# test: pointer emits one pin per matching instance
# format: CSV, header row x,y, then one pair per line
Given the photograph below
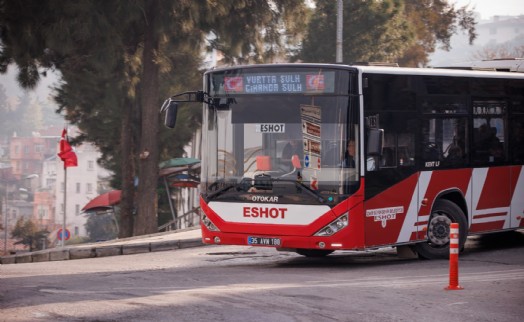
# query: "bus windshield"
x,y
281,134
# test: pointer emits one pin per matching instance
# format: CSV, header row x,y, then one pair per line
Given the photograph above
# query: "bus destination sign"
x,y
275,83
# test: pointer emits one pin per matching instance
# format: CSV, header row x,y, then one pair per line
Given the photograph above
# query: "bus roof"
x,y
440,71
500,65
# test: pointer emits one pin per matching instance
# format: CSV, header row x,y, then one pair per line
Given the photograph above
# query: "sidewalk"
x,y
186,238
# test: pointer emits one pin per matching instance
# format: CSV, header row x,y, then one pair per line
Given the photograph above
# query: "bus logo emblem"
x,y
384,214
315,82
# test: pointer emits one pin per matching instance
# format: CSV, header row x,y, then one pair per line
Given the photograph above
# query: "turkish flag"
x,y
66,152
233,84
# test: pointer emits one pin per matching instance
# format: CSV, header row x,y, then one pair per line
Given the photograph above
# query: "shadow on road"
x,y
495,241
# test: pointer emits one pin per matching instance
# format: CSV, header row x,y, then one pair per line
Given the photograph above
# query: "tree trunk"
x,y
146,219
128,172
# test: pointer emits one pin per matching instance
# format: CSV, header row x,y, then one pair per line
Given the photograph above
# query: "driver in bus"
x,y
349,155
348,162
292,147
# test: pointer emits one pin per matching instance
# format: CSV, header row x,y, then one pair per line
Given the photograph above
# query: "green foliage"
x,y
403,31
29,235
75,240
373,31
120,59
253,31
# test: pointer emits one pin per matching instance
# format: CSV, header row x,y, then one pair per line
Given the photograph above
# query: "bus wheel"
x,y
314,252
444,212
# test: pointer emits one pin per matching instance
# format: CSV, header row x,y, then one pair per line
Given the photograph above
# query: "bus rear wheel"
x,y
314,252
444,213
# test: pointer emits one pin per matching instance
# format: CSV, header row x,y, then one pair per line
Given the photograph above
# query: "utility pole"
x,y
5,222
339,30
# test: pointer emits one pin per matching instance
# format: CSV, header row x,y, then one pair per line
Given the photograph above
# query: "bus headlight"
x,y
335,226
208,223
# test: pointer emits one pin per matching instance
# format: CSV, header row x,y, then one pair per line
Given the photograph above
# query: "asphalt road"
x,y
231,283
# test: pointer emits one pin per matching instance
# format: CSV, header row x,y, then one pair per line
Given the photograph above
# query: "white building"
x,y
498,30
82,186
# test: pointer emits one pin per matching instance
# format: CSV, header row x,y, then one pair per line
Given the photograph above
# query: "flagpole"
x,y
68,156
65,207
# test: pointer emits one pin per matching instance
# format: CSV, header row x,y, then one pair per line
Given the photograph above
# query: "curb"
x,y
100,251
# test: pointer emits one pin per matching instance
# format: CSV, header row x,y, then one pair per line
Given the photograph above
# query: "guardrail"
x,y
189,219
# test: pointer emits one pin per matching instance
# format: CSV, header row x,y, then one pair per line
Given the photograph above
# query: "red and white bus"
x,y
427,147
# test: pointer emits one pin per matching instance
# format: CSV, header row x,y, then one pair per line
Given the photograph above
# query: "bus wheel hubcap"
x,y
438,229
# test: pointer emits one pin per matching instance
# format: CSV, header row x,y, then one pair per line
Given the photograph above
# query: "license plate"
x,y
263,241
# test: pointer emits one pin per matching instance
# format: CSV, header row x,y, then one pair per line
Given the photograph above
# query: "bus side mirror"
x,y
171,112
374,148
375,139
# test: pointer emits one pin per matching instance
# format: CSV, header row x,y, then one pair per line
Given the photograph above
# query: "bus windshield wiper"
x,y
301,185
221,191
243,185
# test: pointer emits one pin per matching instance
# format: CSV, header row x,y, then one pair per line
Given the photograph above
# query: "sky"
x,y
489,8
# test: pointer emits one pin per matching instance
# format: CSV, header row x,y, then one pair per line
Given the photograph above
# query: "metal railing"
x,y
188,219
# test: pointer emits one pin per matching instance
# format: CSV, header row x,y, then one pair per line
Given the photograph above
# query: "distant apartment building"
x,y
498,30
82,186
27,153
35,186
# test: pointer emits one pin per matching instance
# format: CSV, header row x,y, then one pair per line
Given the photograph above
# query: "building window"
x,y
39,148
89,188
77,210
76,231
42,214
90,165
26,149
78,187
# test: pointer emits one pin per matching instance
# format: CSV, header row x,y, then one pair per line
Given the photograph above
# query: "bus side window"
x,y
398,150
406,148
518,139
444,141
488,136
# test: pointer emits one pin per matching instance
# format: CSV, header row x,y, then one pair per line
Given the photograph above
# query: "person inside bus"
x,y
292,147
350,182
496,152
349,155
485,140
455,155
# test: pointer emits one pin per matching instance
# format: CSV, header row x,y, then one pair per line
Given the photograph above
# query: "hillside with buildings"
x,y
32,184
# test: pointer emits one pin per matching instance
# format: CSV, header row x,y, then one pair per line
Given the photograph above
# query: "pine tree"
x,y
116,59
